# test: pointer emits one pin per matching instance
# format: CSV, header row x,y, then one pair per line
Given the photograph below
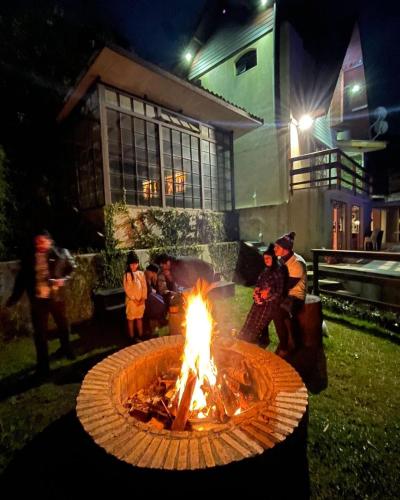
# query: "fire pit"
x,y
101,408
228,400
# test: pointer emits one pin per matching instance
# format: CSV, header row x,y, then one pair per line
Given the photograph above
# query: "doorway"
x,y
338,225
355,243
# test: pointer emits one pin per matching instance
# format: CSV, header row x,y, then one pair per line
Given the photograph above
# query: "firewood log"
x,y
182,413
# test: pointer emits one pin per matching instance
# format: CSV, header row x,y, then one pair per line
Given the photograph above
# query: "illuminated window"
x,y
177,180
150,189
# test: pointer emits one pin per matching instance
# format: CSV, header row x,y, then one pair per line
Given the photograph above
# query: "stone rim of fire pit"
x,y
267,423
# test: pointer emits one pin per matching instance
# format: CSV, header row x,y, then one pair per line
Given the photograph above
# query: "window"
x,y
195,158
87,155
246,62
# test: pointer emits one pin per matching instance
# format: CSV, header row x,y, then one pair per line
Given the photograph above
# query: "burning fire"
x,y
197,357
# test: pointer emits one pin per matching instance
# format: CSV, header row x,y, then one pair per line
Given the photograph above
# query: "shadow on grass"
x,y
92,336
364,327
63,462
26,380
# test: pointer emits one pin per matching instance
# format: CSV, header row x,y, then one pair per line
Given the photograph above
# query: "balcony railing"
x,y
330,168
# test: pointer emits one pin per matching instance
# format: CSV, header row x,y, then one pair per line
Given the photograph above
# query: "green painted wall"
x,y
258,170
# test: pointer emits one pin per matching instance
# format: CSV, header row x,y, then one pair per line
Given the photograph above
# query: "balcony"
x,y
329,169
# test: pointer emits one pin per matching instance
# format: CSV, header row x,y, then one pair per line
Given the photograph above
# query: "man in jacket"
x,y
286,320
43,275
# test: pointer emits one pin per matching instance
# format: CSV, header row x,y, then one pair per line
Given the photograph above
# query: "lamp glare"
x,y
305,122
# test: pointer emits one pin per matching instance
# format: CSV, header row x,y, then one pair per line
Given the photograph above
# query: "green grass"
x,y
354,426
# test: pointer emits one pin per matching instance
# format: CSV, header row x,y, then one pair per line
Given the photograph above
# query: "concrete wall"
x,y
259,177
309,214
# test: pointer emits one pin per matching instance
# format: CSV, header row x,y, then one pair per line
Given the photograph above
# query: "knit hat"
x,y
286,241
270,250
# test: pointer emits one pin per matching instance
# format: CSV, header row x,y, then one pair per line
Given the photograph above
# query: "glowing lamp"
x,y
305,122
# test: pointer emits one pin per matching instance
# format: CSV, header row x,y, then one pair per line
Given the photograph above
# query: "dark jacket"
x,y
61,265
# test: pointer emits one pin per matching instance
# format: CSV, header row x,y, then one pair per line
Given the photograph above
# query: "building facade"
x,y
231,136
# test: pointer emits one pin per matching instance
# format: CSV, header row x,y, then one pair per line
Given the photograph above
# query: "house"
x,y
231,135
143,136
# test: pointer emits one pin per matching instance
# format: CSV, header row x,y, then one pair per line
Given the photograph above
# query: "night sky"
x,y
160,30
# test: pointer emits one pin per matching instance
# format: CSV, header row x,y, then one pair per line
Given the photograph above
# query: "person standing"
x,y
286,318
268,295
135,295
44,274
155,311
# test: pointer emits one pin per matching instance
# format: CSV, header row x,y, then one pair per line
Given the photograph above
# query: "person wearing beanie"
x,y
286,319
135,295
268,295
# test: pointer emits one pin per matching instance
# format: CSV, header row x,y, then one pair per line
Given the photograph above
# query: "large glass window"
x,y
134,159
195,160
87,154
181,169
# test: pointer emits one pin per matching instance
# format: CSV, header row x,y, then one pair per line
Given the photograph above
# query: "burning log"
x,y
216,399
182,413
229,398
239,373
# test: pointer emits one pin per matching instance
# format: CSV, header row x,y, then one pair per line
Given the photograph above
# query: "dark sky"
x,y
158,30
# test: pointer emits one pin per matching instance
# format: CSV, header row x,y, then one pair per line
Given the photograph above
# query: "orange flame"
x,y
197,351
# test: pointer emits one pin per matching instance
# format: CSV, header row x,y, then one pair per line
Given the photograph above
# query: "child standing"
x,y
135,295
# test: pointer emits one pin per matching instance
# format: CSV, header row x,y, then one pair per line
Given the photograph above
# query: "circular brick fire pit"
x,y
282,401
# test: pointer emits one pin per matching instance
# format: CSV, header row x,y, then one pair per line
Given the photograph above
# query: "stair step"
x,y
347,292
330,284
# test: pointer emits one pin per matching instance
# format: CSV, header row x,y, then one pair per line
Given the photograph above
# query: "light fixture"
x,y
355,88
305,122
188,56
263,3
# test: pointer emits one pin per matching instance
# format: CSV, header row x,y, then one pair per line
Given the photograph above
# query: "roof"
x,y
229,39
127,72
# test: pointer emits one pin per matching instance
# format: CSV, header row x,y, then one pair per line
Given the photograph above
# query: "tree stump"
x,y
309,358
309,320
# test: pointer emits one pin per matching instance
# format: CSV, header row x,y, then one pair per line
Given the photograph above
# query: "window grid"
x,y
192,162
87,155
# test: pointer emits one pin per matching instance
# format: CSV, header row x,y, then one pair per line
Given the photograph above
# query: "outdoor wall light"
x,y
305,122
188,56
355,88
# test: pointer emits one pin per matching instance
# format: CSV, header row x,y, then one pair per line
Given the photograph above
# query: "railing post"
x,y
339,170
315,272
291,173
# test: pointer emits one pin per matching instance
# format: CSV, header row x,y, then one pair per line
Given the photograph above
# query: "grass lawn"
x,y
354,425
